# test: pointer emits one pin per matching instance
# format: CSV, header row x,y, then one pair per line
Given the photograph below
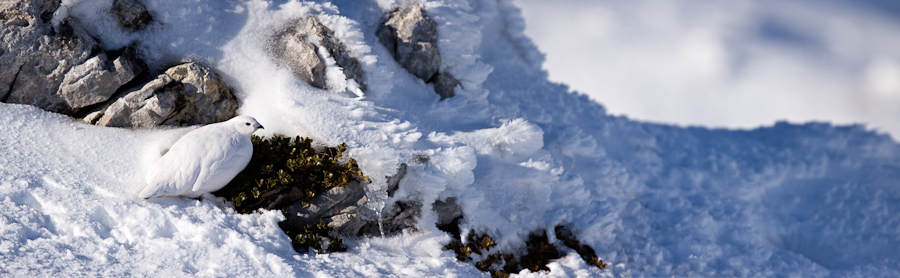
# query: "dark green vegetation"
x,y
287,170
539,252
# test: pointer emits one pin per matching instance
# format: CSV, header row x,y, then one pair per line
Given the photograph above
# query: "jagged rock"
x,y
411,37
100,77
186,94
131,14
37,56
298,44
59,69
340,207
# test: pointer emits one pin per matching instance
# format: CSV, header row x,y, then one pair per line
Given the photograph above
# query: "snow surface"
x,y
737,64
518,152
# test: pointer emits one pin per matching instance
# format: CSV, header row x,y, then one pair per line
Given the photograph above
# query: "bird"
x,y
203,160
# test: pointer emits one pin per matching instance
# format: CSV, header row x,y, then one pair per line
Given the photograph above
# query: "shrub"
x,y
539,252
286,170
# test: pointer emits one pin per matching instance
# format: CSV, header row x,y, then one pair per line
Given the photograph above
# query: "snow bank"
x,y
519,153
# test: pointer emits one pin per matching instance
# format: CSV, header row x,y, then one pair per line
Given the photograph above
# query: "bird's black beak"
x,y
261,127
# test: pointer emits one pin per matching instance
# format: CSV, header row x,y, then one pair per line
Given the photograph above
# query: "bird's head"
x,y
245,124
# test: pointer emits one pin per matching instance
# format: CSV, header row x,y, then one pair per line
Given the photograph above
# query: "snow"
x,y
736,64
518,152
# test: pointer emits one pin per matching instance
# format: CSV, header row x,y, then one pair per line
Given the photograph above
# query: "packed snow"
x,y
520,154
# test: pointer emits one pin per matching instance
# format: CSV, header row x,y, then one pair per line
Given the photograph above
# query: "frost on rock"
x,y
186,94
410,35
132,14
298,47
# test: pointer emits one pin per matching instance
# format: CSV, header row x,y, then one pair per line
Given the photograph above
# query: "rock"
x,y
131,14
448,211
393,182
37,56
186,94
411,37
59,69
340,207
97,79
445,85
298,44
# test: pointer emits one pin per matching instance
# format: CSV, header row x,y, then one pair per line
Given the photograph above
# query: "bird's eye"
x,y
248,124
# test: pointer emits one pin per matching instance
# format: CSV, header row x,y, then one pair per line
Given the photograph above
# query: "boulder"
x,y
298,46
186,94
56,68
132,14
411,37
99,76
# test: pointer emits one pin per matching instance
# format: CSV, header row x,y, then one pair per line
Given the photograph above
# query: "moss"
x,y
570,240
286,170
539,252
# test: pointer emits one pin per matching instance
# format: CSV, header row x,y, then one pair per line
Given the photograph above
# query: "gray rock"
x,y
445,85
97,79
186,94
410,35
37,56
393,182
131,14
340,207
448,211
59,69
298,44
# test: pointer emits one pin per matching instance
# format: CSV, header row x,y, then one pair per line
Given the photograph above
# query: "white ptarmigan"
x,y
203,160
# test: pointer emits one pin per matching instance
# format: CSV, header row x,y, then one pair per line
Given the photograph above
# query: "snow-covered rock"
x,y
132,14
411,37
299,45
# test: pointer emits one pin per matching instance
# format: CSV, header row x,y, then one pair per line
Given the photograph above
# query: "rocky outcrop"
x,y
186,94
132,14
411,37
57,68
98,78
298,46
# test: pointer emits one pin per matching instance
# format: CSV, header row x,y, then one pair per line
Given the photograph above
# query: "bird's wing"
x,y
170,175
218,159
177,171
234,160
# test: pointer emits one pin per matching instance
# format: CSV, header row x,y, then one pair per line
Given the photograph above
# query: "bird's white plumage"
x,y
203,160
